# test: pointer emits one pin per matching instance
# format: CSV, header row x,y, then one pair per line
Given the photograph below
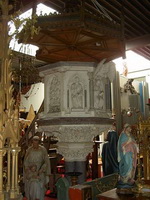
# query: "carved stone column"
x,y
14,188
91,87
8,169
12,191
117,102
2,153
16,171
112,98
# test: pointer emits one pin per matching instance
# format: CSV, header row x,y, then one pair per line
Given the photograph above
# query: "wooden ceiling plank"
x,y
48,33
129,24
143,6
78,36
56,50
87,42
93,35
54,4
138,42
47,44
91,56
142,53
142,18
127,13
114,16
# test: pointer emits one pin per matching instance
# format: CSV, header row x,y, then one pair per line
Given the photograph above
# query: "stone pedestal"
x,y
77,107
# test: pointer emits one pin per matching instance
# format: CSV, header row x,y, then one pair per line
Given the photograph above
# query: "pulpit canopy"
x,y
75,35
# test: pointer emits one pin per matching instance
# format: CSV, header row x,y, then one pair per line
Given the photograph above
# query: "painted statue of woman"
x,y
127,157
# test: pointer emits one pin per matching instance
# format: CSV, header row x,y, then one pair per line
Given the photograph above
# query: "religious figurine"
x,y
77,94
34,183
99,94
129,87
36,155
127,158
109,152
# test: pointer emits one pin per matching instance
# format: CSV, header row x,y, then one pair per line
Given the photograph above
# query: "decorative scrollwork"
x,y
102,187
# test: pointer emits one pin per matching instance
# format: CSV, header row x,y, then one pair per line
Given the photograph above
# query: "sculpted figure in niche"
x,y
99,94
103,73
77,94
54,95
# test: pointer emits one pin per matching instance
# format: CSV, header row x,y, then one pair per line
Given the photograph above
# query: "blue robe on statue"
x,y
127,157
109,154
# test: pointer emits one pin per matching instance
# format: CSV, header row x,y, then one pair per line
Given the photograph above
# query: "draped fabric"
x,y
35,185
109,154
127,157
38,157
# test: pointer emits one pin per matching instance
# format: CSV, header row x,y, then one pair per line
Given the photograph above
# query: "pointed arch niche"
x,y
76,93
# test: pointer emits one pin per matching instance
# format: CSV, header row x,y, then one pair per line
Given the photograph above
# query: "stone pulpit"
x,y
77,107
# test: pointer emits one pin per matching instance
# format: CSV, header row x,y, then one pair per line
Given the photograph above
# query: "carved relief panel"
x,y
102,93
53,94
99,93
78,89
103,76
77,92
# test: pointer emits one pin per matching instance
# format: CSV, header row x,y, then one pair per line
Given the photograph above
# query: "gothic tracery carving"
x,y
99,94
78,154
102,74
77,93
74,133
54,95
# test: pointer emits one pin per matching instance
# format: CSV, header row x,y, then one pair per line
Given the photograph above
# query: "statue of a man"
x,y
36,155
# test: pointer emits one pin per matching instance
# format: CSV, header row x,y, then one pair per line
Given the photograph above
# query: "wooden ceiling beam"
x,y
115,8
28,4
115,16
55,4
138,42
141,52
143,17
143,6
89,55
49,34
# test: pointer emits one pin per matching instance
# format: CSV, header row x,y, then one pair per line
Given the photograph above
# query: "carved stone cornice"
x,y
75,142
75,121
74,133
75,151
